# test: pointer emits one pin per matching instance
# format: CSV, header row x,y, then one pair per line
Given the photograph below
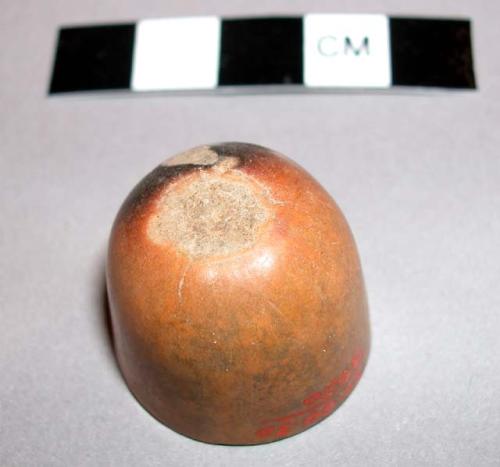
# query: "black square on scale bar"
x,y
432,52
261,51
93,58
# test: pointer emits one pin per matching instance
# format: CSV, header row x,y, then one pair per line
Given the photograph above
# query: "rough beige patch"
x,y
201,155
226,163
209,215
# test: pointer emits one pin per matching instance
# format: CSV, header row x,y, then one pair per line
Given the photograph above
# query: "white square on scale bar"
x,y
347,51
176,54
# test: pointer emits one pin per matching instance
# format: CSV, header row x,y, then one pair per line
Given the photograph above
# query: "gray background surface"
x,y
416,175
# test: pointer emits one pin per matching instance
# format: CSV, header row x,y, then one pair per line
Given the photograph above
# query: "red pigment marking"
x,y
319,404
283,430
314,397
357,359
328,407
265,432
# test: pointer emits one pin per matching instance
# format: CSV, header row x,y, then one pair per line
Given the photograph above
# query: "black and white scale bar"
x,y
315,51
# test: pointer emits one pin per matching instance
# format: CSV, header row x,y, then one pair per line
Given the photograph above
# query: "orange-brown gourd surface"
x,y
237,300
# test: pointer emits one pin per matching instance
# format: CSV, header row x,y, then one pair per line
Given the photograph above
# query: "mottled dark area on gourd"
x,y
245,152
164,175
150,184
